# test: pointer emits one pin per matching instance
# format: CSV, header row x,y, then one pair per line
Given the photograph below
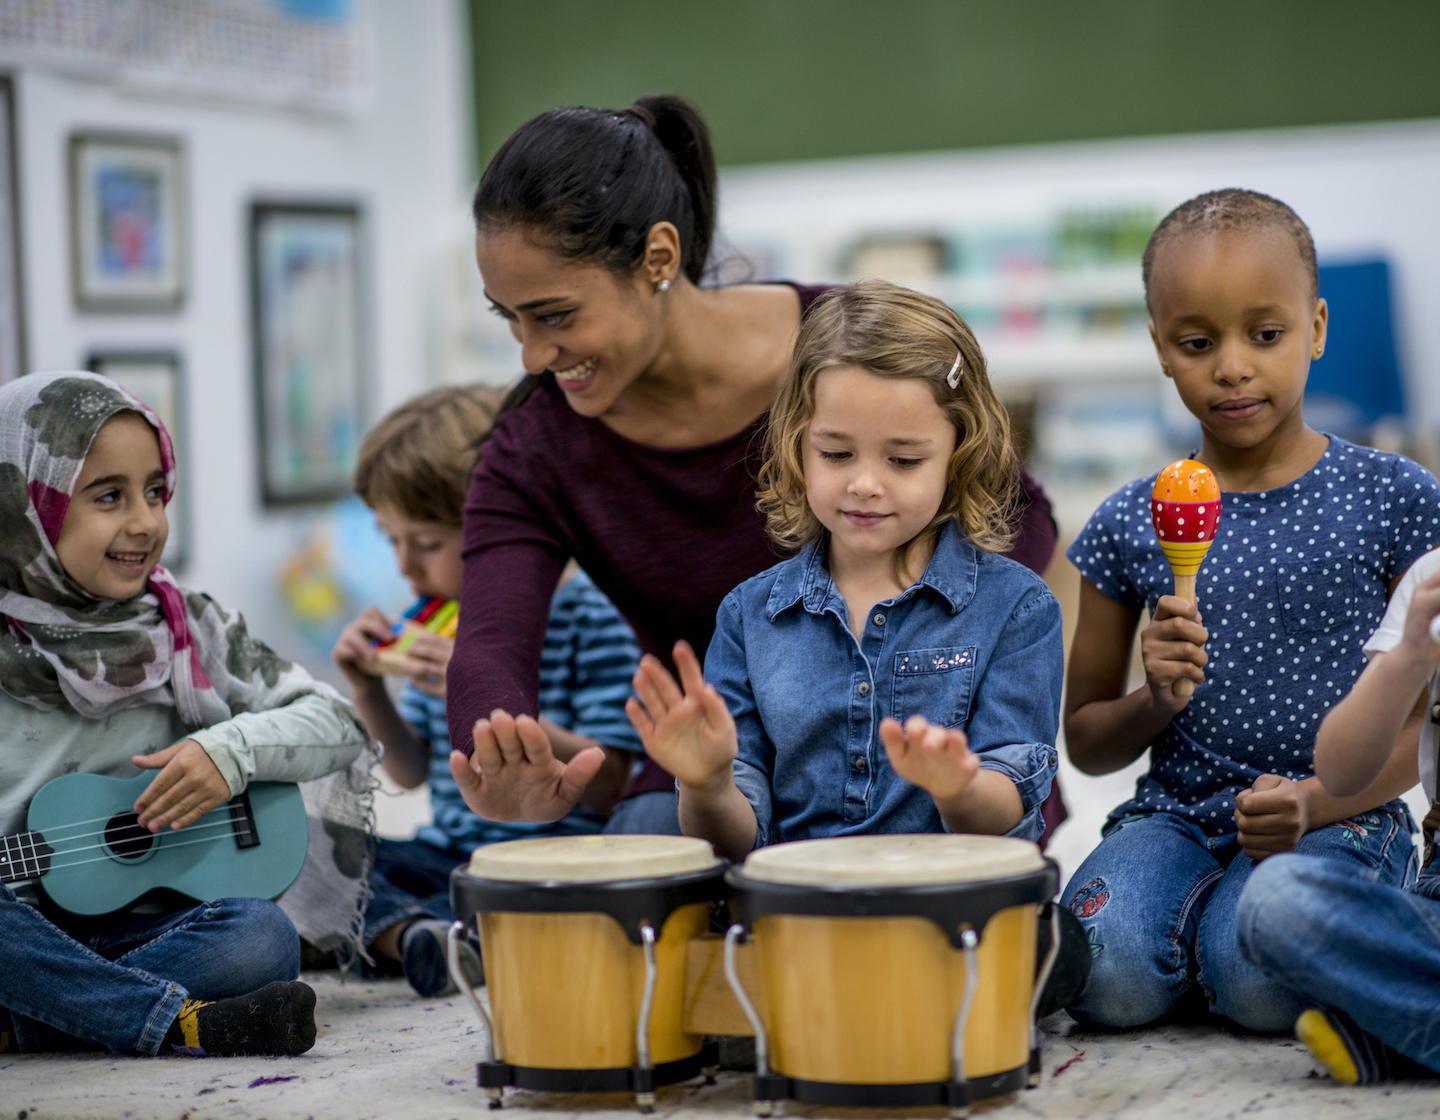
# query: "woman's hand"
x,y
1272,815
937,759
1172,647
188,786
514,776
356,644
685,727
426,660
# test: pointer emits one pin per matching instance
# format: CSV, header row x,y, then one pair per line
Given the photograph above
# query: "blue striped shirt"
x,y
590,655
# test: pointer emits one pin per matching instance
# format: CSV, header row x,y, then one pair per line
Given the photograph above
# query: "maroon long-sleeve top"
x,y
666,533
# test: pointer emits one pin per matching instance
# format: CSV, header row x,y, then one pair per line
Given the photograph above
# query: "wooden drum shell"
x,y
873,1000
565,988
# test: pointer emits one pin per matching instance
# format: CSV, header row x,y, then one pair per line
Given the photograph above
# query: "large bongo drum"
x,y
584,943
895,970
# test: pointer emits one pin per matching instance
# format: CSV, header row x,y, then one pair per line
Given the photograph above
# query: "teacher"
x,y
634,441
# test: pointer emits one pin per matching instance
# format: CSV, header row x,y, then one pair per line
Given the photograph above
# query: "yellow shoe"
x,y
1317,1032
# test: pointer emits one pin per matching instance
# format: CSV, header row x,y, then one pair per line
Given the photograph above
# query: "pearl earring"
x,y
663,286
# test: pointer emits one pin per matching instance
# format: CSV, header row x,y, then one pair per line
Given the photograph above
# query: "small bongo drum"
x,y
896,970
584,943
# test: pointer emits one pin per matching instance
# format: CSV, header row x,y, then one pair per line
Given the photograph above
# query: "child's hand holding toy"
x,y
1271,815
356,646
685,727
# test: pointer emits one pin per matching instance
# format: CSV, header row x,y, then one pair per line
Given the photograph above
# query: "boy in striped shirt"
x,y
413,470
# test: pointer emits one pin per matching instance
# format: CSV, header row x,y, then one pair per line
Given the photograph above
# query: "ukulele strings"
x,y
92,847
48,833
54,864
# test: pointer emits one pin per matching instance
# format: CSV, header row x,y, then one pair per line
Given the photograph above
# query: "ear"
x,y
1159,353
1320,329
662,254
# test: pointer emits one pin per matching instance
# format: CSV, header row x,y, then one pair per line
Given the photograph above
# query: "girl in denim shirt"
x,y
897,674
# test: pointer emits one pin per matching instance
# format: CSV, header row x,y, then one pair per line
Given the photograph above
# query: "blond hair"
x,y
890,331
418,459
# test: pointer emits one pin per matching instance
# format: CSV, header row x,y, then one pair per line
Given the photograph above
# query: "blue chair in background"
x,y
1357,383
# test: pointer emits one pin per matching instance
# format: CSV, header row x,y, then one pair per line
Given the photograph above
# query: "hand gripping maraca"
x,y
1185,506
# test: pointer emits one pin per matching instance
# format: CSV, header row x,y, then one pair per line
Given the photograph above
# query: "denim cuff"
x,y
1031,767
756,788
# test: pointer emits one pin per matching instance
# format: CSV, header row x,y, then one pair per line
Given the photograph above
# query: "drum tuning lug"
x,y
645,1102
708,1073
764,1108
496,1097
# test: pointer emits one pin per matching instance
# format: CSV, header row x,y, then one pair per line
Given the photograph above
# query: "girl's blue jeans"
x,y
1159,901
119,981
1352,943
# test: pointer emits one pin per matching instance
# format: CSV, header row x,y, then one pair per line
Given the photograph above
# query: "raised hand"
x,y
937,759
514,776
1172,647
685,727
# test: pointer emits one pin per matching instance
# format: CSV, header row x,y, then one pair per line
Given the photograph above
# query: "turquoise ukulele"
x,y
92,857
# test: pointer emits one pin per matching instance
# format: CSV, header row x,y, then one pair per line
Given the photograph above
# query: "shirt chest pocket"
x,y
935,683
1316,596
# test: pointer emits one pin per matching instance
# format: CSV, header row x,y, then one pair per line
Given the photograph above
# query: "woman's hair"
x,y
590,183
1232,208
890,331
418,459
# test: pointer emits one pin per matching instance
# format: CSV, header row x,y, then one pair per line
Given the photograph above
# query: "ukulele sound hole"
x,y
126,840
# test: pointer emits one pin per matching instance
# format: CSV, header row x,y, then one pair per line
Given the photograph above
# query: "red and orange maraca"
x,y
1185,506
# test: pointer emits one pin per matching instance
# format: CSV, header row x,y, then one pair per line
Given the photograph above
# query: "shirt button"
x,y
859,764
879,619
863,688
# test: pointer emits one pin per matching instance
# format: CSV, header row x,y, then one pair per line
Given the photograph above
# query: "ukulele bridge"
x,y
242,821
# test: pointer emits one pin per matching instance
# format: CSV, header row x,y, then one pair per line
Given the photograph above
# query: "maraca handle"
x,y
1184,589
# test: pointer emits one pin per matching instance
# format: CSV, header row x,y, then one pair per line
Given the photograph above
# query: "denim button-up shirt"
x,y
975,644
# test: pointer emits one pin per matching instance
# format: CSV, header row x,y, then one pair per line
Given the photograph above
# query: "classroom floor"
x,y
384,1054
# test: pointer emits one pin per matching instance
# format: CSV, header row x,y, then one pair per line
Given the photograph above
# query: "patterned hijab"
x,y
61,645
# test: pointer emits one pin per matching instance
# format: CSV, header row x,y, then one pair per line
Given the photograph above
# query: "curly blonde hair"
x,y
891,331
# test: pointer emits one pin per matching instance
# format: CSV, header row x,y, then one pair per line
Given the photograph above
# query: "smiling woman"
x,y
634,442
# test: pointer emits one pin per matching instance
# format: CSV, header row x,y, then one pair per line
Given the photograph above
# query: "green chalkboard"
x,y
809,79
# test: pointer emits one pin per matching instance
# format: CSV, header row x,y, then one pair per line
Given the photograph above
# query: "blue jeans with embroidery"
x,y
1351,943
1159,898
119,981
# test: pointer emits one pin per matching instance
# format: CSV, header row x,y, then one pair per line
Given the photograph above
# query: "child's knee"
x,y
271,948
1275,909
1134,977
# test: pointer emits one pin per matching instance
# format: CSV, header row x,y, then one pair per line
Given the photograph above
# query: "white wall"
x,y
1362,189
404,156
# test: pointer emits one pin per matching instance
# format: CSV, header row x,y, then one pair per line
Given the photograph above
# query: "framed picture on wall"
x,y
12,301
127,222
156,378
310,377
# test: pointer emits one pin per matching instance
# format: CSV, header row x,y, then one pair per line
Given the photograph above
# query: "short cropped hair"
x,y
894,332
1232,208
418,459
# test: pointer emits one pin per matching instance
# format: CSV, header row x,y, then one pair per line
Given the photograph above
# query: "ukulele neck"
x,y
23,856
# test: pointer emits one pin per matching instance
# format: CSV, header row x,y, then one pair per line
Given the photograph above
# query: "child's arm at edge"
x,y
1352,745
1106,729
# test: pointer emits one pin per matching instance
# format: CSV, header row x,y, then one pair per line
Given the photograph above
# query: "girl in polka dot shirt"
x,y
1314,533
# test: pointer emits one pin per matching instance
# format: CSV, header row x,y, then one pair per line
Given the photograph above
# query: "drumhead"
x,y
930,859
591,859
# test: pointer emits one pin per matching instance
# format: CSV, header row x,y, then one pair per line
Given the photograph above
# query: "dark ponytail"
x,y
592,182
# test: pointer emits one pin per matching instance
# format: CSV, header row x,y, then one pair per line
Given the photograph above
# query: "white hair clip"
x,y
957,371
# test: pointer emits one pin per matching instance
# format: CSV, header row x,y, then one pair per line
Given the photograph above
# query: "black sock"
x,y
276,1019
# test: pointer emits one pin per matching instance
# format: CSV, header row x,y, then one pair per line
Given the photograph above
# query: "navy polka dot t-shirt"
x,y
1291,589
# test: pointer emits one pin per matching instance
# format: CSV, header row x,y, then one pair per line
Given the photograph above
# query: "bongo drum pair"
x,y
879,971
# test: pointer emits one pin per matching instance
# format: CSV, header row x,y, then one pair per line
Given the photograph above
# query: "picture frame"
x,y
157,378
12,289
127,222
307,297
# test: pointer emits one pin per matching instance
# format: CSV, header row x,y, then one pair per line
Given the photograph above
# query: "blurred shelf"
x,y
1055,359
1081,288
